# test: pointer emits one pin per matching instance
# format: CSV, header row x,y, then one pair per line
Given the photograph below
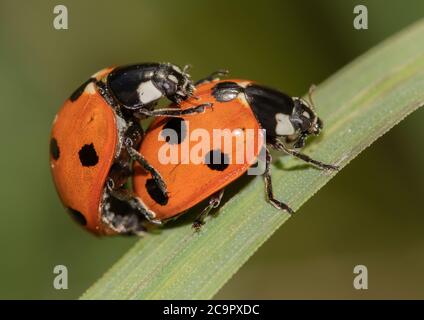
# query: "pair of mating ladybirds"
x,y
97,137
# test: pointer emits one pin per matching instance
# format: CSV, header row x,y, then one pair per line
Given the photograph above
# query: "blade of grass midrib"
x,y
366,96
181,264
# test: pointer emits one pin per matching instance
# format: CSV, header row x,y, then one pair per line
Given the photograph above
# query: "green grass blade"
x,y
358,105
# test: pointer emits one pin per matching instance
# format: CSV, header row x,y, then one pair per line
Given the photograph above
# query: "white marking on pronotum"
x,y
55,118
147,92
90,88
284,126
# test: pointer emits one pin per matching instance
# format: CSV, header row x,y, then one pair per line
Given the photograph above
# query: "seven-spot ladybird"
x,y
96,134
238,105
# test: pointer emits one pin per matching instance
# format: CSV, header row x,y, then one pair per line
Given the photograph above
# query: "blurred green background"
x,y
371,213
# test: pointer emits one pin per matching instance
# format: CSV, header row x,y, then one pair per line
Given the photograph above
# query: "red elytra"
x,y
190,183
95,137
90,137
83,145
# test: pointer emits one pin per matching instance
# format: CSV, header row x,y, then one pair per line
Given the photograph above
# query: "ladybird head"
x,y
304,118
175,83
304,121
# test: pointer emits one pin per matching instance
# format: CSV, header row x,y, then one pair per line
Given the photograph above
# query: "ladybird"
x,y
238,106
95,137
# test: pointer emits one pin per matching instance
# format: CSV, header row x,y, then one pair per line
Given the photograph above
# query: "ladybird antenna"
x,y
187,67
310,94
317,121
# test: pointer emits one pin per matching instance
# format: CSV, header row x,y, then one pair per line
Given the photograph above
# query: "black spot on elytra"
x,y
88,155
77,93
77,216
54,149
217,160
174,131
155,193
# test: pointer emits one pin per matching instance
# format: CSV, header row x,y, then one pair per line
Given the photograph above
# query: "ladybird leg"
x,y
318,164
124,195
137,156
173,112
268,186
119,193
118,175
213,76
214,202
